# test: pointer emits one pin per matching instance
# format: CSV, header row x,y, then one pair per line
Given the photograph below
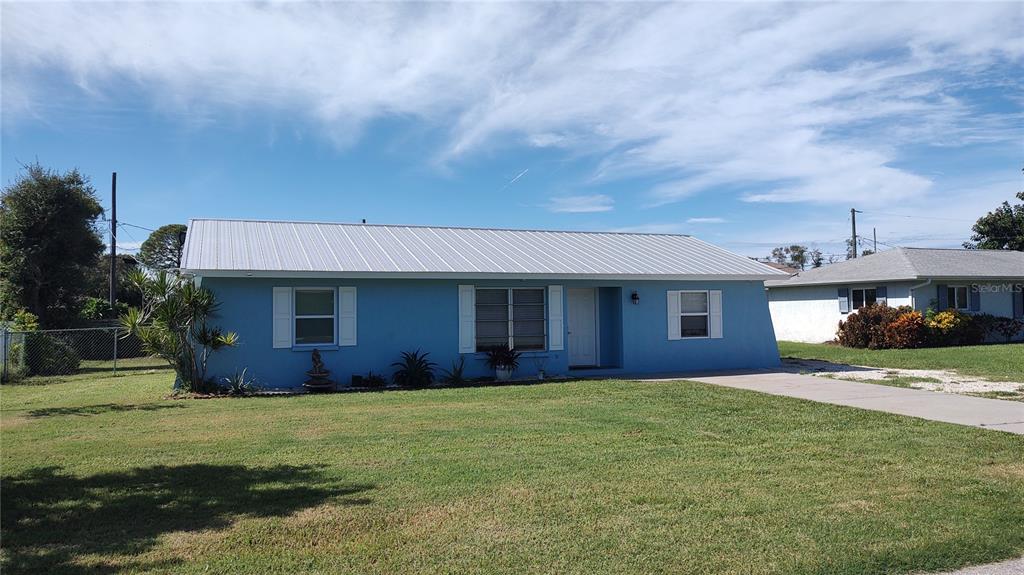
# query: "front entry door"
x,y
582,327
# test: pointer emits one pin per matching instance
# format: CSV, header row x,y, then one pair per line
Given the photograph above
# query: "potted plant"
x,y
503,361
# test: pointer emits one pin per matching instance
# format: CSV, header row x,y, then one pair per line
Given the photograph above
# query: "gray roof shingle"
x,y
232,247
914,264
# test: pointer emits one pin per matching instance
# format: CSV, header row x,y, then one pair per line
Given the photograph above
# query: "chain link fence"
x,y
66,352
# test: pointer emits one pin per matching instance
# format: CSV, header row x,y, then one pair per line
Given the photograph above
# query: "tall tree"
x,y
1000,229
162,249
793,256
797,256
817,259
48,243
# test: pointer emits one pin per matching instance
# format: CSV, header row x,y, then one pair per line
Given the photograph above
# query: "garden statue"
x,y
318,375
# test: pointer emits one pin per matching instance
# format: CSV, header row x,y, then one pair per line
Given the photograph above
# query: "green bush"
x,y
47,355
952,327
997,327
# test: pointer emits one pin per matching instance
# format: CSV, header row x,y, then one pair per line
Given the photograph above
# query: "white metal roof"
x,y
914,264
216,247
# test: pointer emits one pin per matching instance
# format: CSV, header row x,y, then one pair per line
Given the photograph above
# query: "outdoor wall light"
x,y
635,297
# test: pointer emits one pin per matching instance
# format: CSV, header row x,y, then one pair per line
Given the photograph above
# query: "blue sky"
x,y
748,125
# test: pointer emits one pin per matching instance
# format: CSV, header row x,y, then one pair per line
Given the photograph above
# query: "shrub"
x,y
375,380
414,370
908,330
238,384
47,355
998,327
24,320
867,326
456,375
952,327
94,308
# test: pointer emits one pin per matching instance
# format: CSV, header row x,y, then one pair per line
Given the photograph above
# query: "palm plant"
x,y
173,324
415,370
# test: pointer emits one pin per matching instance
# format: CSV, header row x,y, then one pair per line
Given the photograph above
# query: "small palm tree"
x,y
173,324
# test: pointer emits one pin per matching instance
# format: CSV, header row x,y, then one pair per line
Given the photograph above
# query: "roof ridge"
x,y
423,226
903,256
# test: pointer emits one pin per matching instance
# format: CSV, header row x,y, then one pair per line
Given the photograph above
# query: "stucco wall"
x,y
402,315
811,313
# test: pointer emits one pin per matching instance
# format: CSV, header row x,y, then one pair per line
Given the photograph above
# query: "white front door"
x,y
582,326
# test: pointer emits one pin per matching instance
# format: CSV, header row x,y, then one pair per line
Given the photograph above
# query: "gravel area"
x,y
930,379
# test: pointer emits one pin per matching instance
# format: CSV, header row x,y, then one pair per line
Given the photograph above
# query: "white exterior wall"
x,y
811,313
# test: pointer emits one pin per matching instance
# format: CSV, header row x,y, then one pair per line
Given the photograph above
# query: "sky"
x,y
749,125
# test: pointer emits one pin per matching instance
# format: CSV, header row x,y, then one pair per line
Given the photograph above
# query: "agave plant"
x,y
173,324
414,370
455,376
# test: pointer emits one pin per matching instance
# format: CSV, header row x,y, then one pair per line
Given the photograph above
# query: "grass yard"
x,y
101,474
994,362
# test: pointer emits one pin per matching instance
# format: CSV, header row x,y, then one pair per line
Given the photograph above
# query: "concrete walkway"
x,y
1011,567
951,408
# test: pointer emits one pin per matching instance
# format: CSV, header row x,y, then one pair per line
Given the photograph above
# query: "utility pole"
x,y
113,239
853,237
874,238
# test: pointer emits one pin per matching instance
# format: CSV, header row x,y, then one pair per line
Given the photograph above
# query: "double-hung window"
x,y
510,317
958,297
693,314
864,297
315,316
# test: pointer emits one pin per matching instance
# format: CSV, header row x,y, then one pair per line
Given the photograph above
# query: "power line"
x,y
135,226
917,217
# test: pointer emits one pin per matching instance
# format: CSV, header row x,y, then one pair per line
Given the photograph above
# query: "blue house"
x,y
572,302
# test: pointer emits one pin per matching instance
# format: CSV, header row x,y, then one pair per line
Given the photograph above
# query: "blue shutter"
x,y
974,303
881,295
943,298
1018,301
844,300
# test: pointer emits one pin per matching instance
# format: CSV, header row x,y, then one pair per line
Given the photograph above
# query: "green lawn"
x,y
102,474
995,362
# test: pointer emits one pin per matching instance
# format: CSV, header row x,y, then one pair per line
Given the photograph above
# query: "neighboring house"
x,y
789,270
585,303
809,306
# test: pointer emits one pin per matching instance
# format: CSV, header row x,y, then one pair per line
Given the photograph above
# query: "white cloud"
x,y
581,204
813,102
706,221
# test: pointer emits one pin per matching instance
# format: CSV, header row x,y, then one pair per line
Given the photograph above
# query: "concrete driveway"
x,y
951,408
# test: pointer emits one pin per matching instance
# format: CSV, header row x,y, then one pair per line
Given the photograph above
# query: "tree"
x,y
1000,229
48,242
173,324
162,249
98,278
794,256
797,256
817,259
